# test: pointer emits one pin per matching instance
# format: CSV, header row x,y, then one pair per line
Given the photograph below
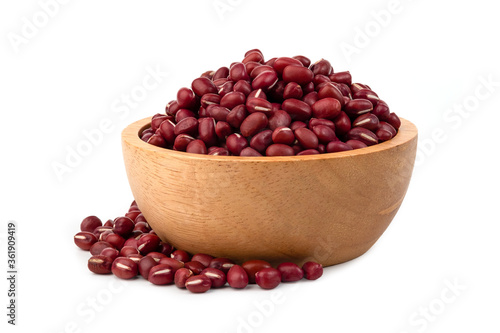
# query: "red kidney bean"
x,y
183,113
237,277
157,140
280,118
146,136
258,105
394,120
175,264
243,87
299,74
181,142
322,67
132,242
221,73
110,252
327,108
210,99
90,223
297,109
186,99
307,152
198,284
249,151
161,274
342,124
206,131
223,264
124,268
311,98
157,119
283,135
157,256
290,272
344,89
381,110
363,135
342,77
123,226
366,94
261,141
219,151
103,235
97,247
237,115
304,60
195,266
324,133
132,214
135,257
306,138
388,127
325,122
238,72
128,250
355,87
253,55
312,270
225,88
368,121
268,278
259,93
297,124
148,243
171,108
265,80
253,266
217,277
329,90
197,147
181,276
208,74
202,86
84,240
278,149
357,107
292,90
167,131
223,129
230,100
251,66
356,144
115,240
277,91
319,79
260,69
281,63
383,135
181,255
235,143
145,265
188,126
100,230
253,124
100,264
202,258
337,146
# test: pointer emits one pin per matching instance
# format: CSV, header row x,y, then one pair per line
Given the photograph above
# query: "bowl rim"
x,y
130,135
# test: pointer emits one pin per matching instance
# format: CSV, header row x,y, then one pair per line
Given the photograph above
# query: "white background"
x,y
428,59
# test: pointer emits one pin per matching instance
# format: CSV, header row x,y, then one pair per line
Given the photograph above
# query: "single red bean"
x,y
297,124
171,108
100,264
198,284
206,131
341,77
292,90
344,89
237,277
128,250
148,243
281,63
381,110
103,235
258,105
202,86
336,146
322,67
186,98
167,131
299,74
276,92
90,223
329,90
230,100
146,136
99,230
142,227
124,268
307,138
355,87
236,116
157,140
306,62
262,140
249,151
368,121
243,87
297,109
357,107
308,152
208,74
265,80
388,127
180,255
223,264
202,258
135,257
311,98
366,94
161,274
394,120
290,272
181,276
175,264
254,55
253,124
279,149
157,256
187,126
268,278
363,135
183,113
356,144
325,122
97,247
123,226
327,108
210,99
235,143
260,69
223,130
219,151
194,266
253,266
182,141
312,270
217,277
342,124
307,88
132,242
157,119
222,72
109,223
238,72
225,88
319,79
279,118
283,135
145,265
324,133
132,214
110,252
116,240
84,240
197,147
383,135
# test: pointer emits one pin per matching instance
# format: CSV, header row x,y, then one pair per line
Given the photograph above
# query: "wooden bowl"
x,y
329,208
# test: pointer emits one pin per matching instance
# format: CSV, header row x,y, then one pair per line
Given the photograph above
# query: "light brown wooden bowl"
x,y
329,208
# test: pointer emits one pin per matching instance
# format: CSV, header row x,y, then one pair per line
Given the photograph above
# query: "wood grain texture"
x,y
329,208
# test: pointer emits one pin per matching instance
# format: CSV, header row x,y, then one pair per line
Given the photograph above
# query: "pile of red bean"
x,y
279,107
128,247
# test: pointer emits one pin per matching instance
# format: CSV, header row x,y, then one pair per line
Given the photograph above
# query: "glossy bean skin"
x,y
148,243
337,146
342,77
145,265
195,266
207,131
115,240
324,133
265,80
181,255
342,124
299,74
84,240
123,226
237,277
268,278
243,86
202,86
312,270
253,266
230,100
290,272
253,124
326,108
261,141
217,277
186,98
394,120
197,147
366,94
307,138
368,121
331,91
161,274
293,90
182,141
236,116
175,264
181,276
297,109
259,105
322,66
210,99
198,284
362,134
223,264
124,268
283,135
381,110
90,223
238,72
249,151
235,143
357,107
111,253
100,264
278,149
97,247
282,62
356,144
279,118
